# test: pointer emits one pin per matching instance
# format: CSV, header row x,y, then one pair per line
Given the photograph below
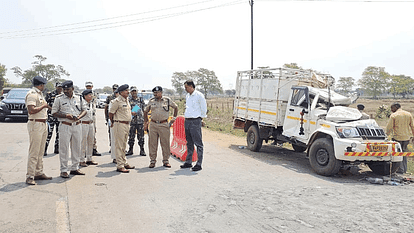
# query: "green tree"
x,y
345,84
401,85
3,71
374,80
177,81
292,66
50,72
207,81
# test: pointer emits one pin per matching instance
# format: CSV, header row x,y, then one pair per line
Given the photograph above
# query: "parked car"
x,y
13,106
101,100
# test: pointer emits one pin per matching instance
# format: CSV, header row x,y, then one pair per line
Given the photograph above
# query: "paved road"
x,y
237,191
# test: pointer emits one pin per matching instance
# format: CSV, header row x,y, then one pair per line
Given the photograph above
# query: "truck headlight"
x,y
347,132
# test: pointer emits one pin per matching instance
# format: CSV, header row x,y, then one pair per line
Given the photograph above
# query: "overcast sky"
x,y
163,36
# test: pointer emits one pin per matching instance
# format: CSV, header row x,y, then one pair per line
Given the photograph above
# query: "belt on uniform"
x,y
123,122
87,122
193,118
38,120
71,124
159,122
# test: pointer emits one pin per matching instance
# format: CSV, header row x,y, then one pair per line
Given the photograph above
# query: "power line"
x,y
102,26
368,1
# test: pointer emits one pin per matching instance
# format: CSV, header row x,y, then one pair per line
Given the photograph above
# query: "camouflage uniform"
x,y
136,126
52,121
107,101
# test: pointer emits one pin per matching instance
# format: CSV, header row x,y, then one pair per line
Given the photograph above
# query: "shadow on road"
x,y
108,174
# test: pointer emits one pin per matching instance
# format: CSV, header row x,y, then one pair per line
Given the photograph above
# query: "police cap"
x,y
157,88
123,88
87,91
133,88
360,107
58,84
39,81
88,83
67,84
115,86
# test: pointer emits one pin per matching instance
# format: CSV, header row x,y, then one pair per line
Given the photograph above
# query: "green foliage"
x,y
292,66
401,85
374,80
3,71
50,72
345,84
178,80
383,112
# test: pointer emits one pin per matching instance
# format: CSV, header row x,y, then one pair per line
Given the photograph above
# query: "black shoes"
x,y
96,153
130,151
142,152
56,150
77,172
196,168
186,165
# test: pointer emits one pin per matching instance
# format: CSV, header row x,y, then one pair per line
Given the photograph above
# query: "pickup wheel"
x,y
322,158
254,142
297,148
2,119
383,168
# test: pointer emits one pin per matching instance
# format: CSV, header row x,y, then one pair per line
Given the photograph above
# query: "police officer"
x,y
120,116
137,123
88,130
69,108
37,127
159,126
53,121
107,101
89,86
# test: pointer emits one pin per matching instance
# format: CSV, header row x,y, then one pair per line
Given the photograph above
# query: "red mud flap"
x,y
179,143
371,147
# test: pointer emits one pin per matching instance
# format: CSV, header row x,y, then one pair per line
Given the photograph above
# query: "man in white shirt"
x,y
195,111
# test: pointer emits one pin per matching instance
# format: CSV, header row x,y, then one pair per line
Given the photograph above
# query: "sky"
x,y
160,37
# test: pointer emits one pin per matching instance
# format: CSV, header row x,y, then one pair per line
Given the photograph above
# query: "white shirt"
x,y
195,105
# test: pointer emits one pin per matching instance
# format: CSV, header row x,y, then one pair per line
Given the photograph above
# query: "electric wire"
x,y
105,25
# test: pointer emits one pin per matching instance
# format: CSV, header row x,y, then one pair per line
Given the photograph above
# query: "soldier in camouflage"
x,y
89,86
137,123
52,121
108,100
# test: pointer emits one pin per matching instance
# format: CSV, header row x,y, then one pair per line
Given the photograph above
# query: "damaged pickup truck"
x,y
298,107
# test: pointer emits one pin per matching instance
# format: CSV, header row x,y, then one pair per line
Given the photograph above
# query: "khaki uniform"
x,y
122,118
159,127
88,133
70,135
37,133
94,103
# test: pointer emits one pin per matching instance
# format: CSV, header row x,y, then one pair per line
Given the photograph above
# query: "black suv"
x,y
13,106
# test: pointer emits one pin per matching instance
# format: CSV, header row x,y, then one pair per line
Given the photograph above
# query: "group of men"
x,y
74,118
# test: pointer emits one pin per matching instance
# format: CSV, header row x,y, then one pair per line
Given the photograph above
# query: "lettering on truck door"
x,y
297,118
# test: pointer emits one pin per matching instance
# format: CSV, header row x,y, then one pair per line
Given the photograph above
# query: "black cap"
x,y
123,87
58,84
115,86
67,84
87,91
39,81
360,107
157,88
116,91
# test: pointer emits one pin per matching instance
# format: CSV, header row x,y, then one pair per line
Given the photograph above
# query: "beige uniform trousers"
x,y
88,136
159,131
121,136
70,136
113,149
37,138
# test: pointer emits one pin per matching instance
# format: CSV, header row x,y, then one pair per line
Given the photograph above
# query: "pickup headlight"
x,y
347,132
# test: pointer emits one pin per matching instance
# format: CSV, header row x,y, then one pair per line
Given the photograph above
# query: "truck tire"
x,y
322,157
297,148
383,168
254,142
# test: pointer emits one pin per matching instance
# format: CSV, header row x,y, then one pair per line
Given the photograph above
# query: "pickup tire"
x,y
322,157
383,168
297,148
254,142
2,119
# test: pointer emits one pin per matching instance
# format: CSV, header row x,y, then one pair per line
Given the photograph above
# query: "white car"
x,y
101,100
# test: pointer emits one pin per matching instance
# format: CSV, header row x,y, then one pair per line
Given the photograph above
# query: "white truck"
x,y
297,106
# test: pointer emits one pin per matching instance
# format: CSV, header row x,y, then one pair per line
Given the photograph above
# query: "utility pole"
x,y
251,6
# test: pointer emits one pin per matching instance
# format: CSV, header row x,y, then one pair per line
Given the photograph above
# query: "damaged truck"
x,y
298,106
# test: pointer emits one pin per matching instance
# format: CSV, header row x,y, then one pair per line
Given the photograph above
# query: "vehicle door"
x,y
296,123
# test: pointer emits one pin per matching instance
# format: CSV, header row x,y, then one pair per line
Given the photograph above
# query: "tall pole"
x,y
251,6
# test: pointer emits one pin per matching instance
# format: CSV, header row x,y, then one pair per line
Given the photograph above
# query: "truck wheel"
x,y
254,142
322,158
297,148
383,168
